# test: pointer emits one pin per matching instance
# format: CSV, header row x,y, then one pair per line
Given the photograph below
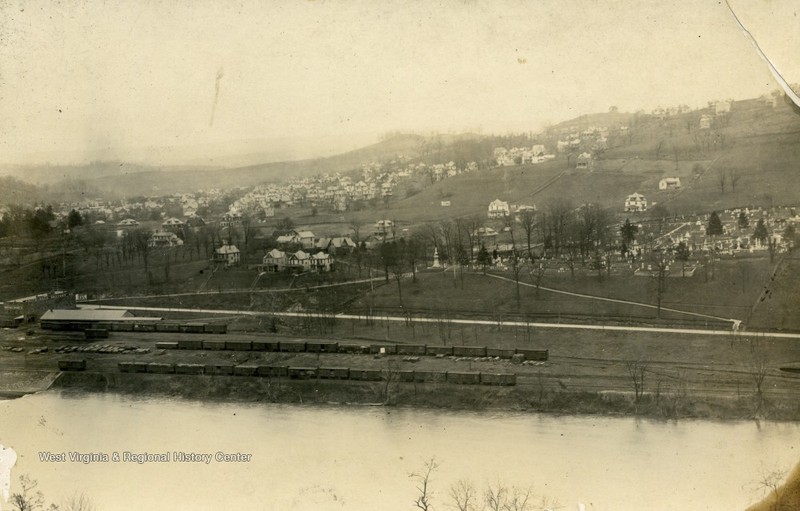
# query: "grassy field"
x,y
780,307
732,292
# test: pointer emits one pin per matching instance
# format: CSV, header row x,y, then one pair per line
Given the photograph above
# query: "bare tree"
x,y
722,179
637,369
537,272
516,263
249,230
423,479
356,228
734,178
528,220
518,498
659,146
495,497
559,216
660,266
758,365
76,503
464,495
770,484
502,498
29,498
472,226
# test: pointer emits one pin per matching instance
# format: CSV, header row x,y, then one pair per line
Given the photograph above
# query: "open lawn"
x,y
780,306
731,292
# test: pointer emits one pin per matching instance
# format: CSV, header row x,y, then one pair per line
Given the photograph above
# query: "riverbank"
x,y
426,395
14,384
662,376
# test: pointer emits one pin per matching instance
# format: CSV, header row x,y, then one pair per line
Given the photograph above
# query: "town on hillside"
x,y
476,255
633,263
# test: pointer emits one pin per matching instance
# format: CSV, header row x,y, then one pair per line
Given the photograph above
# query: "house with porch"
x,y
227,254
498,209
321,261
275,261
164,239
635,202
299,262
172,224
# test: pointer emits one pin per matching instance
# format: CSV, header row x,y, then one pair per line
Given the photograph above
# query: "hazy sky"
x,y
99,78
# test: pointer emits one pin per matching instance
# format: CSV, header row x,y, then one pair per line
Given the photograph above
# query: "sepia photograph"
x,y
410,255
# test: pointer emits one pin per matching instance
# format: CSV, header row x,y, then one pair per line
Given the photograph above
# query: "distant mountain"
x,y
51,174
14,191
117,179
607,119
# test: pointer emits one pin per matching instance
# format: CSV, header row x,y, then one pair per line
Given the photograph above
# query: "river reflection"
x,y
359,458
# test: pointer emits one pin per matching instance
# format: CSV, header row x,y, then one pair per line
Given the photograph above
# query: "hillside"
x,y
14,191
117,179
756,148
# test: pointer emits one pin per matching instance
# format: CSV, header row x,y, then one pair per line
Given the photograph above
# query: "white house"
x,y
498,209
382,228
340,244
299,261
306,238
227,254
164,239
275,261
669,183
128,222
302,238
705,122
172,223
321,261
585,162
635,202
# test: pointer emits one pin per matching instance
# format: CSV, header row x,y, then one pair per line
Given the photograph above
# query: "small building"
x,y
30,308
171,224
486,232
498,209
705,122
303,238
669,183
227,254
83,318
383,228
230,219
585,161
128,223
339,245
195,221
635,202
521,209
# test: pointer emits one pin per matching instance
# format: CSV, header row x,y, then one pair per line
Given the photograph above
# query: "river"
x,y
359,458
